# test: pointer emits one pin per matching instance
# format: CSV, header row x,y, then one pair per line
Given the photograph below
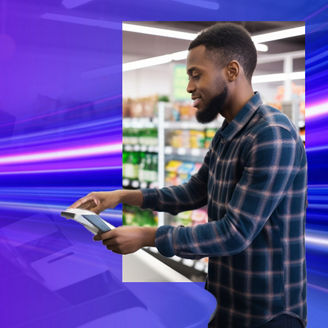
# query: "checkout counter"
x,y
143,267
55,274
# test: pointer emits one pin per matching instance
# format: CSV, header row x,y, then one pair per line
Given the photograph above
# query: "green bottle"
x,y
124,161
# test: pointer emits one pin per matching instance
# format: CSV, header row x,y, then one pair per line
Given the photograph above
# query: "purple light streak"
x,y
62,154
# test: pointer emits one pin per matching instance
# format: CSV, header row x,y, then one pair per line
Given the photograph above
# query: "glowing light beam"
x,y
316,110
62,154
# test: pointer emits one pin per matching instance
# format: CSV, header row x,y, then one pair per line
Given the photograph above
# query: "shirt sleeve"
x,y
271,165
175,199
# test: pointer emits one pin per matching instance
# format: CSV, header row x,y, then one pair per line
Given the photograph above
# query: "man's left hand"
x,y
127,239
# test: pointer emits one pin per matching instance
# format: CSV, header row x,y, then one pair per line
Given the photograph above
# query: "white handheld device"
x,y
90,220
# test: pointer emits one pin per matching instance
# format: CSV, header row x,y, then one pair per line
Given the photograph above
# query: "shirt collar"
x,y
229,130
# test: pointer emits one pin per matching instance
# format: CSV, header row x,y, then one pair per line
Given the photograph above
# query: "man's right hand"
x,y
98,201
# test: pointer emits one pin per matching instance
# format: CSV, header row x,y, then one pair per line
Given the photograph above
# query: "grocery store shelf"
x,y
143,148
177,125
196,152
136,184
140,123
146,122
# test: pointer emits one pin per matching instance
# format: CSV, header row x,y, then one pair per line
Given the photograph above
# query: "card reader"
x,y
90,220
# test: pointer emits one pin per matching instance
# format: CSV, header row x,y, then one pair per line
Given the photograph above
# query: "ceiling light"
x,y
261,47
153,61
278,35
134,28
158,31
278,77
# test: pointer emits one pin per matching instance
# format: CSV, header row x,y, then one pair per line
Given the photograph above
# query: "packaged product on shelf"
x,y
135,165
209,134
142,166
149,106
155,167
196,138
125,136
150,168
137,108
141,136
197,166
171,179
124,161
131,165
184,171
130,136
199,216
172,166
183,218
178,172
127,107
142,107
163,98
171,169
135,216
172,114
148,137
127,215
178,138
187,112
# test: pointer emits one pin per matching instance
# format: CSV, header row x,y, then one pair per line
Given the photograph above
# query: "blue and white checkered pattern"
x,y
254,182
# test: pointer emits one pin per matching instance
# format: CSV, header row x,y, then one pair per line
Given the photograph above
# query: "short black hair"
x,y
231,42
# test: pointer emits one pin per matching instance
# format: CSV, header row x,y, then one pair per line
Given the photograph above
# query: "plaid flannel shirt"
x,y
253,181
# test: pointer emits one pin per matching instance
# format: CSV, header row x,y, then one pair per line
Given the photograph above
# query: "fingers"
x,y
109,240
110,243
97,237
86,203
114,246
105,235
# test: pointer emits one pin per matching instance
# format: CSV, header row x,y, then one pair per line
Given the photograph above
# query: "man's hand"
x,y
126,239
99,201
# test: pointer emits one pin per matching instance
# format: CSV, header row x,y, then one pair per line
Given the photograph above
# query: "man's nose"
x,y
190,86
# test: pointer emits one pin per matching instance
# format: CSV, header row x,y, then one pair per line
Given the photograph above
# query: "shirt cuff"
x,y
150,198
164,240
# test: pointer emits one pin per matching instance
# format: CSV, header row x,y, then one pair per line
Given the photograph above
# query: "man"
x,y
253,181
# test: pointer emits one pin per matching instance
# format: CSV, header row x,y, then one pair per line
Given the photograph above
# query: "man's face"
x,y
207,84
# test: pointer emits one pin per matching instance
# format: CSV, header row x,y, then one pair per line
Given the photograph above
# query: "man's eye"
x,y
196,77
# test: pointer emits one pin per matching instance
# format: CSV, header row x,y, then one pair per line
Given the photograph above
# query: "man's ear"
x,y
233,70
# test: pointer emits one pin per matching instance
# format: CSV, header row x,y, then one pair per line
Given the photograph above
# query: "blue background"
x,y
60,136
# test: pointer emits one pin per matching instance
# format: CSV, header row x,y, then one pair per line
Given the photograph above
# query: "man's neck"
x,y
237,101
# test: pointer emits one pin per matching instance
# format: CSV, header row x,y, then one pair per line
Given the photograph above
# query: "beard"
x,y
214,108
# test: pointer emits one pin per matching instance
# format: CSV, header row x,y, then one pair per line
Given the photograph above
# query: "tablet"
x,y
97,221
90,220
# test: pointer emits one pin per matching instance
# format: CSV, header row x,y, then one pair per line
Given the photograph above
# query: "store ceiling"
x,y
137,46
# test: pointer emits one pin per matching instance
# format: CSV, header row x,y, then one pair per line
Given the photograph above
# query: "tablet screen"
x,y
97,221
